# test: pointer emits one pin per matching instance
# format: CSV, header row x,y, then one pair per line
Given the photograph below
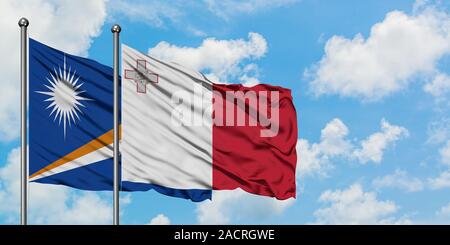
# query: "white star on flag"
x,y
64,95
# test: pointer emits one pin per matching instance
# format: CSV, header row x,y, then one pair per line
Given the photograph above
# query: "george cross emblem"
x,y
141,76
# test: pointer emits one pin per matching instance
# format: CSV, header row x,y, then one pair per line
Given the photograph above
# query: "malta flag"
x,y
184,136
70,119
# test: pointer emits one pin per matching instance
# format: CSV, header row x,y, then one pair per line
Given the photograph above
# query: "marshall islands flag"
x,y
70,119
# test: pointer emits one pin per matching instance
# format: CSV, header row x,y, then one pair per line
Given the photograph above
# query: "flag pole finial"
x,y
24,22
116,28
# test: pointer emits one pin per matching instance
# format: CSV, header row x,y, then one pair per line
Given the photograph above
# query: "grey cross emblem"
x,y
141,76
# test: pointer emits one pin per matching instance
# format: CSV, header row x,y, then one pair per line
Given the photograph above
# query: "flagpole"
x,y
116,30
23,23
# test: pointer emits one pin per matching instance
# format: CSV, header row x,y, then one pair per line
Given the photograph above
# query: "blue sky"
x,y
370,82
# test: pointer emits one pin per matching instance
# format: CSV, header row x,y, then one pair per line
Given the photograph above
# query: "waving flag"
x,y
70,119
185,136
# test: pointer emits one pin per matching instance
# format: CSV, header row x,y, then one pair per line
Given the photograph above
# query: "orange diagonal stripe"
x,y
95,144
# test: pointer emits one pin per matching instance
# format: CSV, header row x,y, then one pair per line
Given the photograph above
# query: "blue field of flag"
x,y
71,119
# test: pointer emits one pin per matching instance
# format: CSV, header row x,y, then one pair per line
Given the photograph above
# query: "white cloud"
x,y
160,219
439,134
399,179
9,183
249,81
178,13
314,159
229,8
78,209
441,181
310,160
154,13
66,25
445,153
397,49
354,206
49,204
250,75
222,58
444,211
439,131
234,206
439,86
332,138
373,147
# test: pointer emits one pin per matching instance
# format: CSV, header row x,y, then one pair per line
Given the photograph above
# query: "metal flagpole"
x,y
23,23
116,30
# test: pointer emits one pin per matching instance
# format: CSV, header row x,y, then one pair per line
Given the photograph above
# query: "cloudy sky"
x,y
370,81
